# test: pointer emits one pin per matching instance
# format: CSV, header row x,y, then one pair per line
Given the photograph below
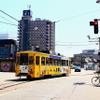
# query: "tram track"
x,y
7,87
10,84
15,84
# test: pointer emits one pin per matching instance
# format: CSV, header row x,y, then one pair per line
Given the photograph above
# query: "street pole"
x,y
99,51
98,1
99,44
95,40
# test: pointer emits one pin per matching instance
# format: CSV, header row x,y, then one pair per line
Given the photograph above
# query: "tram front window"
x,y
24,59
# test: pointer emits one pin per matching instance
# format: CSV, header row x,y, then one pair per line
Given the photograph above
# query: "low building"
x,y
8,49
81,57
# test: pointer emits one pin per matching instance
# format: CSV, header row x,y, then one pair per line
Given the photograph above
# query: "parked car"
x,y
77,69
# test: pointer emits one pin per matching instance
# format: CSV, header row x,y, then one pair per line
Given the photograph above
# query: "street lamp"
x,y
98,1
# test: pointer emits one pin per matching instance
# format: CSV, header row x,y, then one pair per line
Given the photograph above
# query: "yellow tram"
x,y
37,64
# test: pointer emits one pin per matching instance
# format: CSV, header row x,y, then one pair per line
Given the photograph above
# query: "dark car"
x,y
77,69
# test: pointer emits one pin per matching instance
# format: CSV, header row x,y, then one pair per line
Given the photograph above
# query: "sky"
x,y
72,21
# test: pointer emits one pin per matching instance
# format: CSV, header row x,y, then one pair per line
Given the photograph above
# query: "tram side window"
x,y
47,61
37,60
56,62
31,60
67,63
59,62
42,60
51,61
64,63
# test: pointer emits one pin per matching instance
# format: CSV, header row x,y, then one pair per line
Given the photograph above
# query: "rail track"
x,y
11,86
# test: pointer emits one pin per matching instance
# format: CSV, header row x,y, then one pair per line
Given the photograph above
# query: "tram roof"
x,y
56,57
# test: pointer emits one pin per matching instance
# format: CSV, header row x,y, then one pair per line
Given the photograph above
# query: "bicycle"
x,y
96,79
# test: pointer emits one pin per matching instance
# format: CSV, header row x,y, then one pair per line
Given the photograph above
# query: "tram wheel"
x,y
66,74
29,77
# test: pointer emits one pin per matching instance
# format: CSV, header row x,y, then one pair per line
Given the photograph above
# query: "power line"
x,y
9,15
8,23
79,42
6,19
74,44
78,16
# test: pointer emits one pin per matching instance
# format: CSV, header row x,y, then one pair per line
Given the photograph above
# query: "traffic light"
x,y
95,24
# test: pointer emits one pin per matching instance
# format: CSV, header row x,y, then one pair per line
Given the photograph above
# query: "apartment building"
x,y
36,33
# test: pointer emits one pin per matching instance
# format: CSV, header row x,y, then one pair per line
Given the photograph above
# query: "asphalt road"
x,y
75,87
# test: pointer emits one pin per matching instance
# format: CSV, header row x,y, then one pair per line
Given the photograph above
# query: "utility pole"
x,y
94,40
98,1
96,29
99,43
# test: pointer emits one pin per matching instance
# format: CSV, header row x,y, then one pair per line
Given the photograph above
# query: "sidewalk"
x,y
4,76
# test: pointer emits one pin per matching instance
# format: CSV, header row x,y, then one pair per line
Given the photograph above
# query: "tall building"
x,y
36,34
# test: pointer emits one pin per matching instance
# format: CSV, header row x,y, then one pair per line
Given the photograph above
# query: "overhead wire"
x,y
98,10
72,42
9,16
73,18
6,19
82,43
75,45
54,21
8,23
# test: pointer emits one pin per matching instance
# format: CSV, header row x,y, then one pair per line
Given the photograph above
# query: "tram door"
x,y
37,66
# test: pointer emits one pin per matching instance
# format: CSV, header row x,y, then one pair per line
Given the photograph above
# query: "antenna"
x,y
29,6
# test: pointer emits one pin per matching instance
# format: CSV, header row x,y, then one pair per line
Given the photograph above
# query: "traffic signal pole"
x,y
99,44
96,30
94,40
